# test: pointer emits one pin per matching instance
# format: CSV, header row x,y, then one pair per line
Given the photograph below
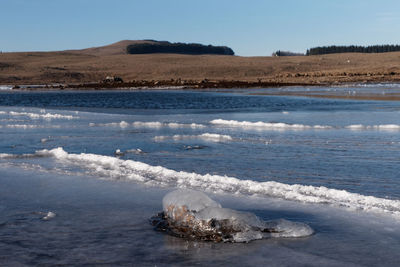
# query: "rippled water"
x,y
92,157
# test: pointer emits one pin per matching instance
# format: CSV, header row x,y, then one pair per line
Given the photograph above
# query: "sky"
x,y
249,27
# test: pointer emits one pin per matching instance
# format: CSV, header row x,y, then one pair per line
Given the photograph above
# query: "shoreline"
x,y
378,95
164,84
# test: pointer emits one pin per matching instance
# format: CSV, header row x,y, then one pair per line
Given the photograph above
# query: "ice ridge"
x,y
114,168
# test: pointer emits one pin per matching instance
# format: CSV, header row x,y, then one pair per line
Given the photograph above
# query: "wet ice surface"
x,y
341,179
106,222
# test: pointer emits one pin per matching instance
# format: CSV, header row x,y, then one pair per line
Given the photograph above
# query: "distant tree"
x,y
321,50
281,53
177,48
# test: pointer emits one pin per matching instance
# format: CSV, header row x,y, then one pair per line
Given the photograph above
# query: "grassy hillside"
x,y
94,64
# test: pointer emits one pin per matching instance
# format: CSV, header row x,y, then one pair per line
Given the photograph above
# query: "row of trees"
x,y
281,53
321,50
177,48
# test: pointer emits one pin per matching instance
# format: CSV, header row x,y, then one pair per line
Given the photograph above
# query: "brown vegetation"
x,y
94,64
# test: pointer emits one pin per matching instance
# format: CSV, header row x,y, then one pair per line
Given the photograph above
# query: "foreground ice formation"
x,y
192,214
116,168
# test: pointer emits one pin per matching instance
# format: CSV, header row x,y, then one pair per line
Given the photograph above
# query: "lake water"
x,y
82,172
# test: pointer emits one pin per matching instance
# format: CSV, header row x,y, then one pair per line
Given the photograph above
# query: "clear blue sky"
x,y
249,27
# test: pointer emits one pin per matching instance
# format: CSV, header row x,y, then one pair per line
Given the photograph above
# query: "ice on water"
x,y
111,167
193,200
192,214
211,137
342,181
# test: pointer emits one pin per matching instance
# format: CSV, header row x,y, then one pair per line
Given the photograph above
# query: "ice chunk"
x,y
211,137
192,214
193,200
267,125
49,215
119,153
135,151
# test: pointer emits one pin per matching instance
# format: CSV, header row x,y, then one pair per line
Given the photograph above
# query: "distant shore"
x,y
87,69
163,84
352,91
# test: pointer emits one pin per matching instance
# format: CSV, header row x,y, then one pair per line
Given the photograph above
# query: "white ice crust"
x,y
46,116
149,124
157,124
280,126
211,137
267,125
382,127
113,168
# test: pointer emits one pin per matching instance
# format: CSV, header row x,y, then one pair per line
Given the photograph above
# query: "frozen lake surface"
x,y
82,173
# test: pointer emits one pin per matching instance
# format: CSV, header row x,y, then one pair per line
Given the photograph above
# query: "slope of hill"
x,y
118,48
94,64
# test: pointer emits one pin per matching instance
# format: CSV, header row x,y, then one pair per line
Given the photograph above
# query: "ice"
x,y
31,126
135,151
382,127
180,125
6,87
120,153
205,136
92,214
6,156
192,214
285,126
267,125
150,124
49,215
193,200
47,116
23,126
122,124
114,168
157,124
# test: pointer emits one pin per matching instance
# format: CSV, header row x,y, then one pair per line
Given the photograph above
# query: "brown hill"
x,y
94,64
118,48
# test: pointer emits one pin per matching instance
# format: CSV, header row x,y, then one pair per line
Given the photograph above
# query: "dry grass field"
x,y
94,64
